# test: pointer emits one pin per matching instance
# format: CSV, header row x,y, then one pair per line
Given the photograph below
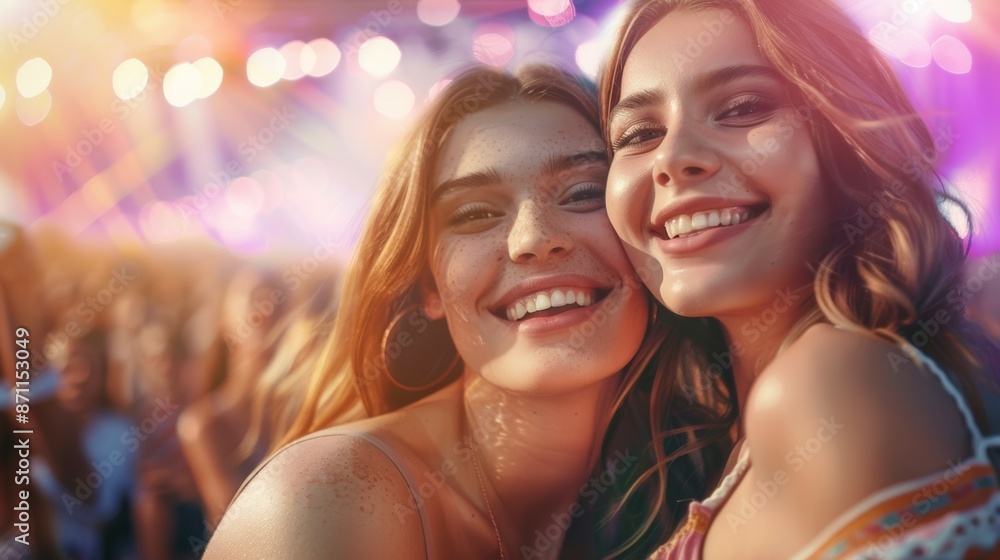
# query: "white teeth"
x,y
683,224
699,221
558,299
545,300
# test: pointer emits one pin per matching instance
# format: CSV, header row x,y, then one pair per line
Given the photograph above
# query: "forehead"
x,y
515,138
686,43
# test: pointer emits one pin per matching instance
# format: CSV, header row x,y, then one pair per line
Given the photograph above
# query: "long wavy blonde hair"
x,y
894,263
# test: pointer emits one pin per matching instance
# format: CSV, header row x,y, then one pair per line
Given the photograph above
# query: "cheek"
x,y
628,200
464,269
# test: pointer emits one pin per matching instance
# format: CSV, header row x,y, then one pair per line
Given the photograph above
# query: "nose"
x,y
537,234
684,157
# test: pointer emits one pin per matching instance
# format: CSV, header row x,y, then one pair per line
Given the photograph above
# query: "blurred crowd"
x,y
160,379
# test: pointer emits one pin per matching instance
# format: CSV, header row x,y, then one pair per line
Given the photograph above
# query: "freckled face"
x,y
519,222
715,183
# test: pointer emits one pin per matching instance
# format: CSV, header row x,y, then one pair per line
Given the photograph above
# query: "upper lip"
x,y
699,204
542,283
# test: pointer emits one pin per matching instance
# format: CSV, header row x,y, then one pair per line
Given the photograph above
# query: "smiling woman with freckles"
x,y
747,138
488,281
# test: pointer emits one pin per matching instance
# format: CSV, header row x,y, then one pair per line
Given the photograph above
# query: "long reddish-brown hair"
x,y
894,260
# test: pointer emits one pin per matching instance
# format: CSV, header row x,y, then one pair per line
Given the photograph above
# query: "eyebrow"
x,y
702,84
488,176
491,176
723,76
558,164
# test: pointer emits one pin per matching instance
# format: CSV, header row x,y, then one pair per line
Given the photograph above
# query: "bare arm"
x,y
330,497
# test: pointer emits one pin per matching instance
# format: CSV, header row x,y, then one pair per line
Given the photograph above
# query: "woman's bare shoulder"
x,y
327,495
844,414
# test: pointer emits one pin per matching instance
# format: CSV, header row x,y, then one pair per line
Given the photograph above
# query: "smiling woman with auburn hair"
x,y
741,169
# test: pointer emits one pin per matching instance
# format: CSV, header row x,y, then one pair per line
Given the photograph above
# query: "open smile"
x,y
687,225
548,303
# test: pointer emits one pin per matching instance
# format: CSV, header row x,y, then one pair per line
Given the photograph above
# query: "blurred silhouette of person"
x,y
212,427
21,308
86,497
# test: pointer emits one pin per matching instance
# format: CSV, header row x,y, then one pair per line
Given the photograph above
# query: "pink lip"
x,y
537,326
542,283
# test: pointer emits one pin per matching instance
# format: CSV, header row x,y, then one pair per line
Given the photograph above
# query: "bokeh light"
x,y
211,76
551,13
324,54
245,197
493,43
394,99
588,57
952,55
129,79
265,67
379,56
292,53
33,110
958,11
161,222
906,45
438,88
182,84
33,77
438,12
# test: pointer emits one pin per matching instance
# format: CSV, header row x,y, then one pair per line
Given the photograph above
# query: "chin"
x,y
566,377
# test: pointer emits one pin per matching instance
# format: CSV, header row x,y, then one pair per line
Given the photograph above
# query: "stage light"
x,y
952,55
245,197
438,12
905,45
588,57
493,43
182,84
33,77
325,57
958,11
379,56
129,79
551,13
32,110
292,52
394,99
265,67
211,76
161,222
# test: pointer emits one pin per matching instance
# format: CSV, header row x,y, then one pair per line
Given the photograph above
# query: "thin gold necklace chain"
x,y
489,508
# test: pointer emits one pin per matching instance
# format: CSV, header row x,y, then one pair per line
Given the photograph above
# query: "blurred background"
x,y
181,182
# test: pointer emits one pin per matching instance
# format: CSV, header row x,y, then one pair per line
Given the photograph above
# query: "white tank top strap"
x,y
980,443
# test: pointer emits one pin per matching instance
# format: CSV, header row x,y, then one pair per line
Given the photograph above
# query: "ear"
x,y
431,300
